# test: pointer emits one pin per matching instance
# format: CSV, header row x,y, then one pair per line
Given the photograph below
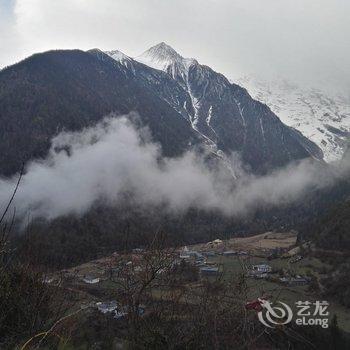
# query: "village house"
x,y
118,310
191,254
47,279
295,281
105,307
262,268
196,255
121,312
91,279
184,254
200,263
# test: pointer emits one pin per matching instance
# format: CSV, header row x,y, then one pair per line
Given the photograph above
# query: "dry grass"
x,y
264,241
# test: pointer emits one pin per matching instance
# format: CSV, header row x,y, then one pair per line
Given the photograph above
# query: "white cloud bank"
x,y
105,161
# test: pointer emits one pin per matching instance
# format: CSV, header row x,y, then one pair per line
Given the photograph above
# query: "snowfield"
x,y
321,117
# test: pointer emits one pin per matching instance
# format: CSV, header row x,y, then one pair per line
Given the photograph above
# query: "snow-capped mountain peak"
x,y
162,56
162,52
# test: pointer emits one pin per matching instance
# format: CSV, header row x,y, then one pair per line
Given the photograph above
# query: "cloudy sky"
x,y
303,40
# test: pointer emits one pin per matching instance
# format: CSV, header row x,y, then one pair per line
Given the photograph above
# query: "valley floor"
x,y
293,275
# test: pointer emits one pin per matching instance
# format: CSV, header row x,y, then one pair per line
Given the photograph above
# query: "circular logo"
x,y
270,316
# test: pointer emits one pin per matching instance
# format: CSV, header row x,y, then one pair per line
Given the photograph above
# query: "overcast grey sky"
x,y
304,40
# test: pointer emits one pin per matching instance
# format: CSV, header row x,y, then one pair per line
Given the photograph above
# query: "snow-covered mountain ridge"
x,y
321,117
221,112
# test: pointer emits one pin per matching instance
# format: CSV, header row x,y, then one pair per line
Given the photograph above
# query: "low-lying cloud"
x,y
114,157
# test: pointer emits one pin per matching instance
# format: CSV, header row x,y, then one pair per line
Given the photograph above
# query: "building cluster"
x,y
260,271
199,259
185,264
117,310
295,281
